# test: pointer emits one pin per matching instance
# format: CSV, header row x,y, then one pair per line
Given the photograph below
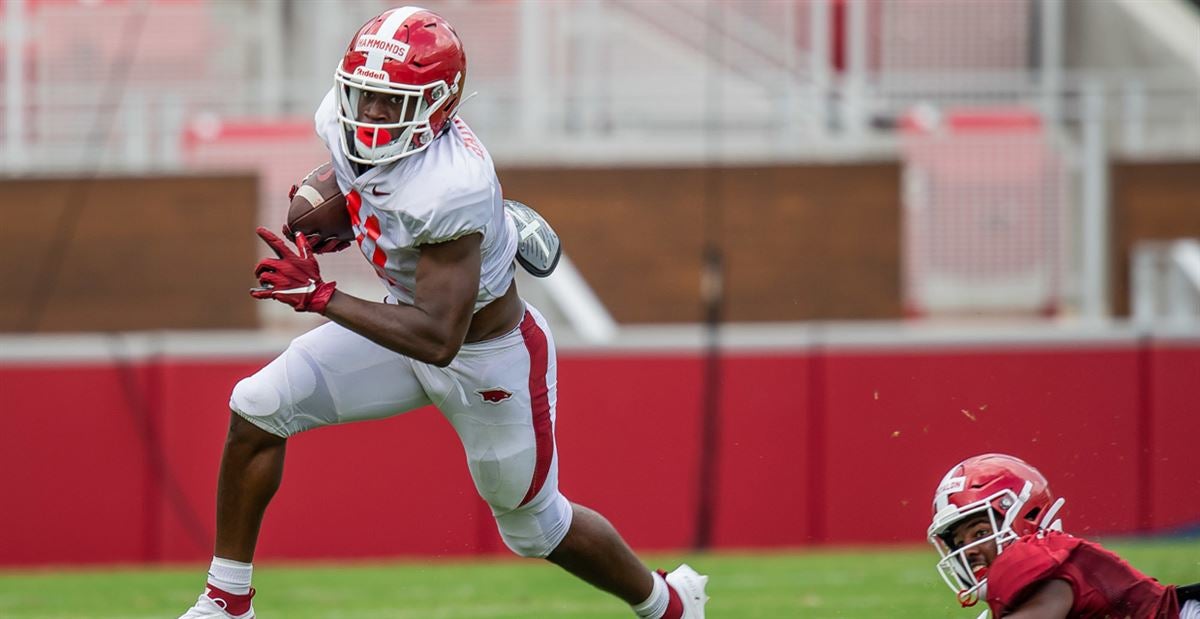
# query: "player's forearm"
x,y
407,329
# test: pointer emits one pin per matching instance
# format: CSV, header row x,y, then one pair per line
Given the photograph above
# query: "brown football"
x,y
318,207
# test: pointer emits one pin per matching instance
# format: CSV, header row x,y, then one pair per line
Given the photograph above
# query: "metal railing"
x,y
585,81
1166,283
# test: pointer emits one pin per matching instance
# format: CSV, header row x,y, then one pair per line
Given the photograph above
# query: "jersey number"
x,y
370,227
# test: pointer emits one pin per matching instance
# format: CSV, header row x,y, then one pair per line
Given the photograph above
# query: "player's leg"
x,y
329,375
500,396
593,551
596,553
250,473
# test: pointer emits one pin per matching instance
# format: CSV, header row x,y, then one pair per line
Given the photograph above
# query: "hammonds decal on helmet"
x,y
399,83
392,49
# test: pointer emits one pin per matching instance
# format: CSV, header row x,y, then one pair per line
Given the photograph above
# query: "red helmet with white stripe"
x,y
1013,495
414,59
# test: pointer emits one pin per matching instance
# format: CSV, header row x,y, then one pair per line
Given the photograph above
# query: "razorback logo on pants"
x,y
495,395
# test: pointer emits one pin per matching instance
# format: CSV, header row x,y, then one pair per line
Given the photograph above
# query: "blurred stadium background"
x,y
817,252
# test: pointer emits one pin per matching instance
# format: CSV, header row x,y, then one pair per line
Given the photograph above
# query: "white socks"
x,y
656,604
230,576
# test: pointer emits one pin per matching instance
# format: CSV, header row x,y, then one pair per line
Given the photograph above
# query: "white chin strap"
x,y
454,112
1048,521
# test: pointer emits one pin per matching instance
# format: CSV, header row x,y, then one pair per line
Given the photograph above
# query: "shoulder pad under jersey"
x,y
1023,564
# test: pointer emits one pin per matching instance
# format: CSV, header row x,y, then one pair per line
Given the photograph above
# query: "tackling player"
x,y
429,217
995,528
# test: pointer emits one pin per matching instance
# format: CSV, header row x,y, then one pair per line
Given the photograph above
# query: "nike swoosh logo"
x,y
312,285
376,192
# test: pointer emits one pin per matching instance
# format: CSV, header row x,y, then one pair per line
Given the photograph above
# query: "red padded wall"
x,y
833,445
628,434
762,493
76,475
896,423
193,413
1172,493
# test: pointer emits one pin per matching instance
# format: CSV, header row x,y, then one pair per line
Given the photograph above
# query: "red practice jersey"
x,y
1105,586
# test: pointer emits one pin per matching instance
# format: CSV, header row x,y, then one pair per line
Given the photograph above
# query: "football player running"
x,y
996,529
429,217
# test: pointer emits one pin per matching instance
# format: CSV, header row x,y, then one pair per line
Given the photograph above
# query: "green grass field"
x,y
875,584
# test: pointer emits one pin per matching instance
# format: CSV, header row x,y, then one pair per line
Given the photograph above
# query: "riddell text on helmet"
x,y
371,73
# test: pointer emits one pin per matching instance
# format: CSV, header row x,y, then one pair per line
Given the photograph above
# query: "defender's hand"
x,y
292,278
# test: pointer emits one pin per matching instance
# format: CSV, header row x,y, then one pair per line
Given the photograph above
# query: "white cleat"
x,y
208,608
689,584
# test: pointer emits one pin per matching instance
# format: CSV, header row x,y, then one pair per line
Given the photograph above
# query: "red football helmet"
x,y
412,57
1011,493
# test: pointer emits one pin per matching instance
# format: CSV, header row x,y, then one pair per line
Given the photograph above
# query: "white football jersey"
x,y
448,191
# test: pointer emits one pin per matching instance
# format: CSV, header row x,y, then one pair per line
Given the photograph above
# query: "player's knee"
x,y
288,395
261,402
536,529
253,397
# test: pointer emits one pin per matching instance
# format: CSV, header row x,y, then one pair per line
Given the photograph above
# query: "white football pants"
x,y
499,395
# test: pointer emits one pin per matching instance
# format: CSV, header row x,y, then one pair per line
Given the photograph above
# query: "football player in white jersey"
x,y
429,216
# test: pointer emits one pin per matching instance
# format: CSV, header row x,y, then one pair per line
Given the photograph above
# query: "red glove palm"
x,y
292,278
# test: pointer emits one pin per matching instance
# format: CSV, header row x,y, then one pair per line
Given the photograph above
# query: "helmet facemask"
x,y
371,143
970,584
